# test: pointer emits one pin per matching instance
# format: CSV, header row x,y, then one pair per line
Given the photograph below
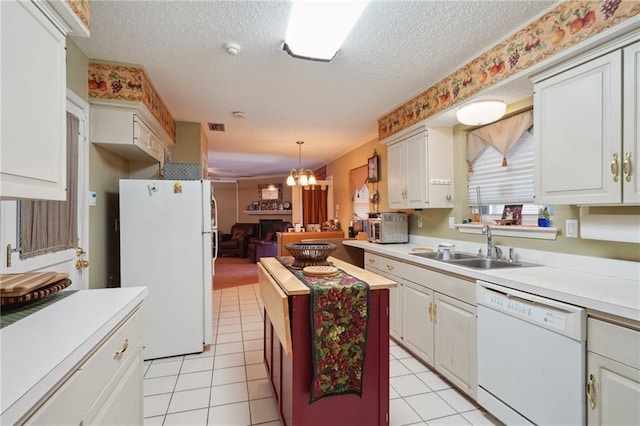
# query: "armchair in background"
x,y
268,245
236,242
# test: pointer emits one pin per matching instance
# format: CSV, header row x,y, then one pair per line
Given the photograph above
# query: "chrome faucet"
x,y
490,246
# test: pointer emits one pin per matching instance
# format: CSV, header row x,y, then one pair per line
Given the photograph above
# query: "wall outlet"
x,y
571,228
419,221
452,222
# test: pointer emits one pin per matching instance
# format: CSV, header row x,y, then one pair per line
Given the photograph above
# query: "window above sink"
x,y
519,231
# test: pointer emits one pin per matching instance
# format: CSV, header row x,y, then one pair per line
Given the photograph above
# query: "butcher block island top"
x,y
326,343
292,286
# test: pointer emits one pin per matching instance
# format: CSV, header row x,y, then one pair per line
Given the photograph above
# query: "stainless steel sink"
x,y
484,263
471,260
439,256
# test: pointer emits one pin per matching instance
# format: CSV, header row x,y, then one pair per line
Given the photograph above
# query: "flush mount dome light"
x,y
232,48
317,29
481,112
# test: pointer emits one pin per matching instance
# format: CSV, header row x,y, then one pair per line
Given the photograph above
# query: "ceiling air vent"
x,y
216,127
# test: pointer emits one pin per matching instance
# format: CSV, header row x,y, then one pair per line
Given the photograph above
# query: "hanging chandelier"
x,y
302,176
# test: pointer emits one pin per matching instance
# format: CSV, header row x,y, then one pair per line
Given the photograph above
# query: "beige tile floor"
x,y
227,384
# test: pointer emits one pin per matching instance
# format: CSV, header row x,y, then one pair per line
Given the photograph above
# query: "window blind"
x,y
504,185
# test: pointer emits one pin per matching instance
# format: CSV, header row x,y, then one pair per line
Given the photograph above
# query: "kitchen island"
x,y
288,353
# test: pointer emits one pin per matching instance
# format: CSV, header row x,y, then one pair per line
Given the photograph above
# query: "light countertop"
x,y
603,291
292,286
39,351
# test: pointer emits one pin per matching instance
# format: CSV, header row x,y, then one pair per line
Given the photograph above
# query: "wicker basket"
x,y
310,254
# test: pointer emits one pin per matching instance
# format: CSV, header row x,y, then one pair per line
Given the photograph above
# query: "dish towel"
x,y
339,324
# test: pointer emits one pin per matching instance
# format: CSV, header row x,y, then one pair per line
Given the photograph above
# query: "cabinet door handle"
x,y
125,345
431,311
591,390
614,167
627,168
435,313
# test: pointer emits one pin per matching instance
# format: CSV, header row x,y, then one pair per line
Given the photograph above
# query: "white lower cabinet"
x,y
388,268
418,321
123,404
456,342
107,388
396,301
613,374
433,315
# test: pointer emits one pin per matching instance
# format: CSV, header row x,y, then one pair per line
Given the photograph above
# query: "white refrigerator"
x,y
166,232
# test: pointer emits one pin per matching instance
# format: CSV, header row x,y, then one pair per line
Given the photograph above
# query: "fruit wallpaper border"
x,y
567,25
82,10
129,83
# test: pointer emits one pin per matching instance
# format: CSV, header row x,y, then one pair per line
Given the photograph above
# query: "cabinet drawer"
x,y
458,288
121,400
383,264
106,360
614,341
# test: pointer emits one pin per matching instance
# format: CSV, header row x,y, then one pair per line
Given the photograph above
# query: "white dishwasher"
x,y
531,358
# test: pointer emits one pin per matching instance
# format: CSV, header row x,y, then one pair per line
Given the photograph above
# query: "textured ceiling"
x,y
397,50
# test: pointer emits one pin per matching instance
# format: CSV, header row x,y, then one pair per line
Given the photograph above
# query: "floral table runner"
x,y
339,322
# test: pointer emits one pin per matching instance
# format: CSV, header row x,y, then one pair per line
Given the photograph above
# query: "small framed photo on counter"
x,y
374,174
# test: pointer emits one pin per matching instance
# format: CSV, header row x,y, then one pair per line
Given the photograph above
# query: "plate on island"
x,y
320,271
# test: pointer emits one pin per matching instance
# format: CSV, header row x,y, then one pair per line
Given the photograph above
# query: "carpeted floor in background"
x,y
233,272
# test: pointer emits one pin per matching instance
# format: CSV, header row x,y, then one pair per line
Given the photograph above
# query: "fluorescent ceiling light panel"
x,y
317,29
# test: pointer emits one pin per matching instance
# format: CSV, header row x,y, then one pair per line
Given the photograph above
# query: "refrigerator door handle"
x,y
214,240
214,205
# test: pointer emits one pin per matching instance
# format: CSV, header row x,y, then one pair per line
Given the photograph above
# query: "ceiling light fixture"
x,y
232,48
302,176
238,114
317,29
481,112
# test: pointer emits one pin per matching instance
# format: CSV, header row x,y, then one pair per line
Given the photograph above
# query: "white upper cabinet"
x,y
33,85
586,129
631,124
420,169
123,131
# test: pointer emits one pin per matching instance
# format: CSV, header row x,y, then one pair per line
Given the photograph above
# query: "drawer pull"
x,y
372,261
125,345
390,267
591,390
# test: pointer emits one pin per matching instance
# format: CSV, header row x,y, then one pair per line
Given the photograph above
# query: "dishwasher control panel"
x,y
522,309
563,318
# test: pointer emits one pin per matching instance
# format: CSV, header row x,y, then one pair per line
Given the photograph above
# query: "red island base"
x,y
291,376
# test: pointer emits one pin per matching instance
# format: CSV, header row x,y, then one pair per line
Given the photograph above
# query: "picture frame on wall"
x,y
373,169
